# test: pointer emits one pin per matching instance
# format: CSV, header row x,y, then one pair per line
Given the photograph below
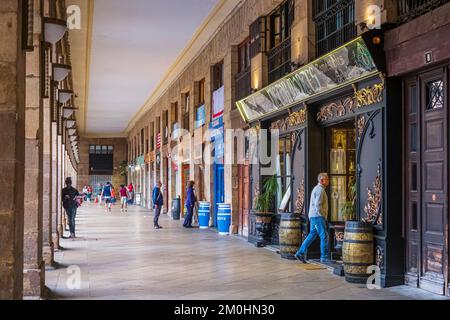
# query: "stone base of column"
x,y
234,229
55,239
34,282
60,230
48,254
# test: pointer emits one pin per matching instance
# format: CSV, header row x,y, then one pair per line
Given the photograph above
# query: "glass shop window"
x,y
342,169
283,173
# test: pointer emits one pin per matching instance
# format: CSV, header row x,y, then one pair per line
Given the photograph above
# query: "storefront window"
x,y
342,169
283,167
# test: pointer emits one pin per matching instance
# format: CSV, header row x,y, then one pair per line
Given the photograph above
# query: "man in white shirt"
x,y
318,212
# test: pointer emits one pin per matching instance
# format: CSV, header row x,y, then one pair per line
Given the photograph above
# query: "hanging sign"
x,y
347,64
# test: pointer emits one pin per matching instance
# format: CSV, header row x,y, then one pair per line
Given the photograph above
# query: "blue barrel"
x,y
203,214
224,218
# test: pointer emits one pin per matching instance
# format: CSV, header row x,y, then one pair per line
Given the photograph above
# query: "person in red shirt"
x,y
131,193
124,195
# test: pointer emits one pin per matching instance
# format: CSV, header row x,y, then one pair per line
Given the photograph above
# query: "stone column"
x,y
60,181
54,186
48,248
230,169
34,268
12,95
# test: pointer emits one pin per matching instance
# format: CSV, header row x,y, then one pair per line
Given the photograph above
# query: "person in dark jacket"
x,y
158,202
69,199
189,203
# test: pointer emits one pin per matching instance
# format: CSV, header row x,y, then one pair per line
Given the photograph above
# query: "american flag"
x,y
158,141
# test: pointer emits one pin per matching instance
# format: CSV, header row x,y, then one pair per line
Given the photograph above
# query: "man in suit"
x,y
158,202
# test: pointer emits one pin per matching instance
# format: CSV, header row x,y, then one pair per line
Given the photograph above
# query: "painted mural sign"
x,y
346,64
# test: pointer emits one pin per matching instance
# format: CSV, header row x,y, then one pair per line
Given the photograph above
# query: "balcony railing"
x,y
410,9
279,59
243,82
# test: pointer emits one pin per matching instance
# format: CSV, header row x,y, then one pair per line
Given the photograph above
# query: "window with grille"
x,y
101,159
279,55
335,24
243,77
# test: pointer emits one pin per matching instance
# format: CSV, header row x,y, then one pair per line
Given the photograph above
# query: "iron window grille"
x,y
335,24
410,9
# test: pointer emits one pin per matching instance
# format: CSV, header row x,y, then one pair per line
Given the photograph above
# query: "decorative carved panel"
x,y
293,120
373,206
361,98
369,95
300,202
379,257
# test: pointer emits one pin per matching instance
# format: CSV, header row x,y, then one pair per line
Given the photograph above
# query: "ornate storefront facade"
x,y
337,115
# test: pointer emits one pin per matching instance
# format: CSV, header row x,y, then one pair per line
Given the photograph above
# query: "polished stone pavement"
x,y
121,256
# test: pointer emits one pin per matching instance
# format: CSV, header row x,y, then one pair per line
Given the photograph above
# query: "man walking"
x,y
158,202
189,203
69,195
106,194
318,211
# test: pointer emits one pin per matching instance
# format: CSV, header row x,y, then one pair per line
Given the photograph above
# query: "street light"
x,y
54,30
70,124
64,95
61,71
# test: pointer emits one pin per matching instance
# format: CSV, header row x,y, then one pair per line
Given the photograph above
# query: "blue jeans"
x,y
317,228
71,214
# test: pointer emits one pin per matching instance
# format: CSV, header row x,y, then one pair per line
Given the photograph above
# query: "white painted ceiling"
x,y
134,43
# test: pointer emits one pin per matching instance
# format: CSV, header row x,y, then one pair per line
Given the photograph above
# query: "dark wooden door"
x,y
427,182
434,180
185,175
244,195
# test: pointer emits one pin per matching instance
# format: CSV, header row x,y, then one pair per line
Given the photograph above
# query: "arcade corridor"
x,y
238,113
122,257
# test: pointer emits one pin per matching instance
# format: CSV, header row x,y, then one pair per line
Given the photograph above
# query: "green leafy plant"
x,y
265,200
123,168
348,209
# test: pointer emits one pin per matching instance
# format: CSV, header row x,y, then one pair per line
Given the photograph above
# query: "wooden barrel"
x,y
357,251
290,235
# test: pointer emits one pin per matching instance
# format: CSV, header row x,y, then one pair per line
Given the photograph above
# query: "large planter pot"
x,y
263,226
357,251
290,235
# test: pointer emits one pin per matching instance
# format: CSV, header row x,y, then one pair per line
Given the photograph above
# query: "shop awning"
x,y
345,65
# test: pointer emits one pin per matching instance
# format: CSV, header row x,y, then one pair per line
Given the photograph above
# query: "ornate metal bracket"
x,y
374,197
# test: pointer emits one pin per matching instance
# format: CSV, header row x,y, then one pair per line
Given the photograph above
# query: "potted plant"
x,y
264,202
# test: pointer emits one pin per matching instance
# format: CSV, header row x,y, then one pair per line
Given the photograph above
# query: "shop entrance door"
x,y
244,190
427,180
342,170
184,182
219,189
